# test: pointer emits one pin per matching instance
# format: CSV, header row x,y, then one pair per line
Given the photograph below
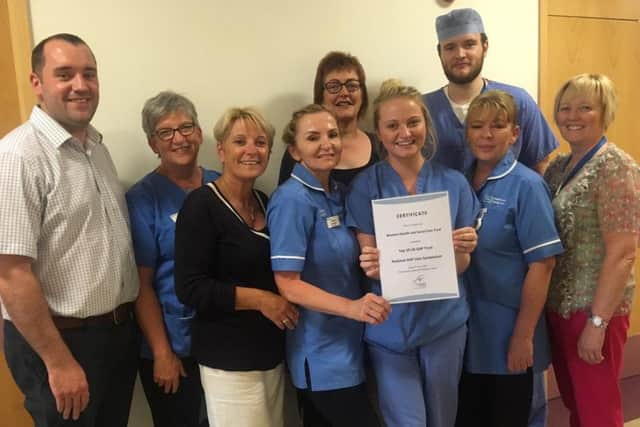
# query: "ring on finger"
x,y
285,321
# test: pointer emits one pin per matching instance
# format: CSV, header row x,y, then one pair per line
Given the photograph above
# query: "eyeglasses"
x,y
167,134
335,86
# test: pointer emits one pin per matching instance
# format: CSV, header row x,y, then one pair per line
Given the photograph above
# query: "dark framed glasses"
x,y
335,86
167,134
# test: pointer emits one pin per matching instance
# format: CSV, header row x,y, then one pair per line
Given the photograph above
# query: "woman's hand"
x,y
520,355
280,311
370,262
371,308
465,240
590,344
167,370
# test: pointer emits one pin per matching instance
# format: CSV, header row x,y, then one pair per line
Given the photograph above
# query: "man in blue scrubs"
x,y
462,47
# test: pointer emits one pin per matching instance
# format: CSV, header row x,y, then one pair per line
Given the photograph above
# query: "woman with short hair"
x,y
168,372
223,271
595,198
340,86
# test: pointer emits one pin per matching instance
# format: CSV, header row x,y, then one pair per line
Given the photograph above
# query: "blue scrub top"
x,y
517,228
535,142
153,203
411,325
309,235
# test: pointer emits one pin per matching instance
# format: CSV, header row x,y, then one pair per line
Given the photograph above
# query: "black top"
x,y
215,252
344,176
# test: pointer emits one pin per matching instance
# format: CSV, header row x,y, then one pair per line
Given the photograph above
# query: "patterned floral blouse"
x,y
603,197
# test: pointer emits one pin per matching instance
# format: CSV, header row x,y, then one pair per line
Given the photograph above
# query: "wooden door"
x,y
15,102
578,36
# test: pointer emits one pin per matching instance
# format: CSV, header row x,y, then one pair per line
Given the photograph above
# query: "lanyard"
x,y
581,163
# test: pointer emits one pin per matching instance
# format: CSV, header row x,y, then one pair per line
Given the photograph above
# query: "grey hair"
x,y
166,102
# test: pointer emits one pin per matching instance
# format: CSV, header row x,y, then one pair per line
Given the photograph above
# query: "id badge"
x,y
333,221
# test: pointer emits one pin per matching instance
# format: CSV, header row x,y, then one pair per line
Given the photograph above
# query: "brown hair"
x,y
289,132
338,61
495,100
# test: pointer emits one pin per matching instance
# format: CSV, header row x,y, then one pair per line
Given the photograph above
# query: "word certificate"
x,y
413,234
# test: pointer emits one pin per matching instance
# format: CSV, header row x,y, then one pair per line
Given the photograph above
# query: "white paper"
x,y
413,234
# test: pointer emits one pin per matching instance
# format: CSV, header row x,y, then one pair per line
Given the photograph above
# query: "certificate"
x,y
413,234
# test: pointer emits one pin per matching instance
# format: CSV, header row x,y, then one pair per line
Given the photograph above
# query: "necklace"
x,y
250,211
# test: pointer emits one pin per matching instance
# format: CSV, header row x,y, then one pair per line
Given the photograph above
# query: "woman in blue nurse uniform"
x,y
417,353
315,260
509,274
168,372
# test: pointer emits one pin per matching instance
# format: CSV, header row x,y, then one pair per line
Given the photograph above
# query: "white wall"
x,y
264,53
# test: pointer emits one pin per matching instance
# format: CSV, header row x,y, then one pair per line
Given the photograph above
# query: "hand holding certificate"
x,y
413,234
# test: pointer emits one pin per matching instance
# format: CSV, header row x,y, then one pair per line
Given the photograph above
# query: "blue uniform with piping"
x,y
309,236
517,228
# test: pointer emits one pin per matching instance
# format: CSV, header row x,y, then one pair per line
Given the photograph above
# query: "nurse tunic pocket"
x,y
498,229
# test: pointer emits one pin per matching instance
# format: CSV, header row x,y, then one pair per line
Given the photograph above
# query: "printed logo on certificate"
x,y
413,234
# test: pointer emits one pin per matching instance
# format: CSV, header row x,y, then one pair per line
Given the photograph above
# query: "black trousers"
x,y
180,409
345,407
108,355
495,400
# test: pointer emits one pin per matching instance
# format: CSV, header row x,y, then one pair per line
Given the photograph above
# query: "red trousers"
x,y
590,392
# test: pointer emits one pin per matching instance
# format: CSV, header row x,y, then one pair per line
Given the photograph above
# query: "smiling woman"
x,y
315,262
170,122
416,354
223,272
597,210
340,86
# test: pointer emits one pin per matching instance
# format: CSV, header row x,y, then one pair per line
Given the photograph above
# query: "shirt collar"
x,y
55,133
306,178
504,166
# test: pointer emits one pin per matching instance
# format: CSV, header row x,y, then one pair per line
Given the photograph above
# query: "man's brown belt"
x,y
119,315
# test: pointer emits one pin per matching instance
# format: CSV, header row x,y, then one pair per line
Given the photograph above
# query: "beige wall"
x,y
264,53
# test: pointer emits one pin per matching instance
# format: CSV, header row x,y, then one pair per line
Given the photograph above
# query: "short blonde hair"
x,y
224,124
598,87
497,101
394,88
289,132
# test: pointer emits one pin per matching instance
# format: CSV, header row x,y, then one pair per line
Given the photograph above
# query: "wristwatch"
x,y
598,321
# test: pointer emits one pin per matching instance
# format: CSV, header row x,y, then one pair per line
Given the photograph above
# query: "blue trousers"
x,y
420,388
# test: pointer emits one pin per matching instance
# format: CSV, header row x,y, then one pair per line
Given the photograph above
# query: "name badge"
x,y
333,221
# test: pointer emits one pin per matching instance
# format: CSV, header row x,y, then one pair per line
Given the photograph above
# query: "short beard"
x,y
463,80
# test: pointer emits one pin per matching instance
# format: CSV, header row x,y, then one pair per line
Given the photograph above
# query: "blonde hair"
x,y
289,132
394,88
597,87
497,101
250,114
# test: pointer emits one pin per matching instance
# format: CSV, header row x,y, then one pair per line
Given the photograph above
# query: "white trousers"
x,y
245,398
